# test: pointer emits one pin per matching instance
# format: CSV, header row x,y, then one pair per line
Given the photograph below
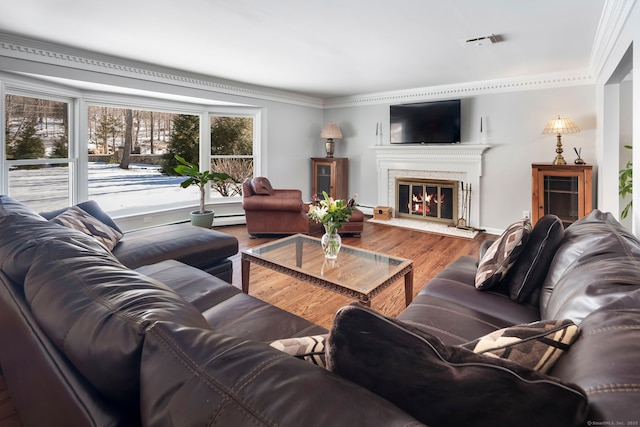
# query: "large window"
x,y
120,151
37,151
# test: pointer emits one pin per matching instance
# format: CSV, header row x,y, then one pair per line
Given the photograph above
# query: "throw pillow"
x,y
536,345
530,269
92,208
501,255
262,186
80,220
444,385
309,348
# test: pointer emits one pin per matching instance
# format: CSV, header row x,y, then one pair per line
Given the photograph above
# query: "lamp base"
x,y
329,146
559,160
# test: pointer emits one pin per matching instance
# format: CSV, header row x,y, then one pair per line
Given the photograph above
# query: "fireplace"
x,y
427,199
457,162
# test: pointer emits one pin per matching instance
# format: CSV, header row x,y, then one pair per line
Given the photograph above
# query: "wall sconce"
x,y
559,127
330,131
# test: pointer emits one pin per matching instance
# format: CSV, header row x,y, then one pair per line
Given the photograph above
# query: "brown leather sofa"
x,y
592,277
86,341
206,249
167,344
282,211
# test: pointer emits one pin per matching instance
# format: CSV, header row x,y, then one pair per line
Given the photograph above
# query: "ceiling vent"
x,y
483,41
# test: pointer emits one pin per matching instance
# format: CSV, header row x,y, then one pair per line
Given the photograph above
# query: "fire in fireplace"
x,y
427,199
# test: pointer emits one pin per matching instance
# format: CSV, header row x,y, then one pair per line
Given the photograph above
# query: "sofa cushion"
x,y
530,268
96,311
440,385
501,255
536,345
195,246
209,378
80,220
262,186
596,263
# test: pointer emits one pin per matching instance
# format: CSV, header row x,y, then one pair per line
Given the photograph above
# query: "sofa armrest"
x,y
272,203
211,378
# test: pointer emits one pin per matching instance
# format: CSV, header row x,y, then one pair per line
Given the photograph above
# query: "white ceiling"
x,y
326,48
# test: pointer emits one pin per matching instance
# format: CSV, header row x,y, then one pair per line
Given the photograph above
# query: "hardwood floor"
x,y
429,252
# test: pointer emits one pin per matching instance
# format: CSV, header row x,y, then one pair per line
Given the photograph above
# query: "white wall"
x,y
513,123
612,125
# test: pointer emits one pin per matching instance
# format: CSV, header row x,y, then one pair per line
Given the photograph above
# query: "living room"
x,y
505,116
292,121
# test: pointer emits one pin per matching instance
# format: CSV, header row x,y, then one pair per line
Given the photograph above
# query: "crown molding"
x,y
41,52
614,16
533,82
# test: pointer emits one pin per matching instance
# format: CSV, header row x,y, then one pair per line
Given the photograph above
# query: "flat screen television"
x,y
436,122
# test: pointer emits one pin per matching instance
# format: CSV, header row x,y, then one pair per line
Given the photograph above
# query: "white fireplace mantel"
x,y
464,160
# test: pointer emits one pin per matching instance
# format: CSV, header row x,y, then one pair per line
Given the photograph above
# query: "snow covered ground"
x,y
141,186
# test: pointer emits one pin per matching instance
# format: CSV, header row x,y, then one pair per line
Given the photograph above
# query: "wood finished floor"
x,y
429,252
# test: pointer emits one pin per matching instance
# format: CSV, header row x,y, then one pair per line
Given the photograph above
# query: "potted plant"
x,y
202,217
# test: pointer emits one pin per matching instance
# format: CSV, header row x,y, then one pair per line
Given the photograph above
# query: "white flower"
x,y
318,212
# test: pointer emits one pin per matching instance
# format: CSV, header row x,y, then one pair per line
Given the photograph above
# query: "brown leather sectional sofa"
x,y
87,341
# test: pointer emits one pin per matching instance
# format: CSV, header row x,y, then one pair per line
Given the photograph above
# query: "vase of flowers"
x,y
331,214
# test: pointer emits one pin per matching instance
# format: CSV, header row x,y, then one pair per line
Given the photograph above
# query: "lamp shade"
x,y
561,126
331,130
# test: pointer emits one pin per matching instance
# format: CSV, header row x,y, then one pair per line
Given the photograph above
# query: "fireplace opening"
x,y
427,199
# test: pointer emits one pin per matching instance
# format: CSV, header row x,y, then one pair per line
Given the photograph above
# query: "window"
x,y
62,147
131,158
232,151
37,151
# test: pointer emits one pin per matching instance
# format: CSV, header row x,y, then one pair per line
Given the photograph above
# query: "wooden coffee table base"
x,y
365,299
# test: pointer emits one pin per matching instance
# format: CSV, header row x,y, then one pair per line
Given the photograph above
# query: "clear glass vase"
x,y
331,241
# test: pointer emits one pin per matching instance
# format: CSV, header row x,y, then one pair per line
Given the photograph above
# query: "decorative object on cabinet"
x,y
330,175
330,131
578,160
559,127
562,190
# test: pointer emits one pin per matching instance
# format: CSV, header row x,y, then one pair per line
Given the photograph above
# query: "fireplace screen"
x,y
428,199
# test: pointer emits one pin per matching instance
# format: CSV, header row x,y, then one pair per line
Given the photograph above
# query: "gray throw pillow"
x,y
536,345
80,220
502,254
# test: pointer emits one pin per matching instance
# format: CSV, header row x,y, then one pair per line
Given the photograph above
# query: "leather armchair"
x,y
282,211
274,211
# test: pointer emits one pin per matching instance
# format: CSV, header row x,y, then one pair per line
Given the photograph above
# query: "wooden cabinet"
x,y
562,190
330,175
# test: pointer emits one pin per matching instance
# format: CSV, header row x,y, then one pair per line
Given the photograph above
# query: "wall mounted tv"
x,y
436,122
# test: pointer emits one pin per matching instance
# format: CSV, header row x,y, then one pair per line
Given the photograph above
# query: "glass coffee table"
x,y
356,273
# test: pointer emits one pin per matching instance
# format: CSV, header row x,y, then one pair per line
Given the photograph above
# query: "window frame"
x,y
78,102
31,90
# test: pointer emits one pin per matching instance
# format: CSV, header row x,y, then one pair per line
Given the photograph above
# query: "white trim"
x,y
36,51
535,82
464,160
